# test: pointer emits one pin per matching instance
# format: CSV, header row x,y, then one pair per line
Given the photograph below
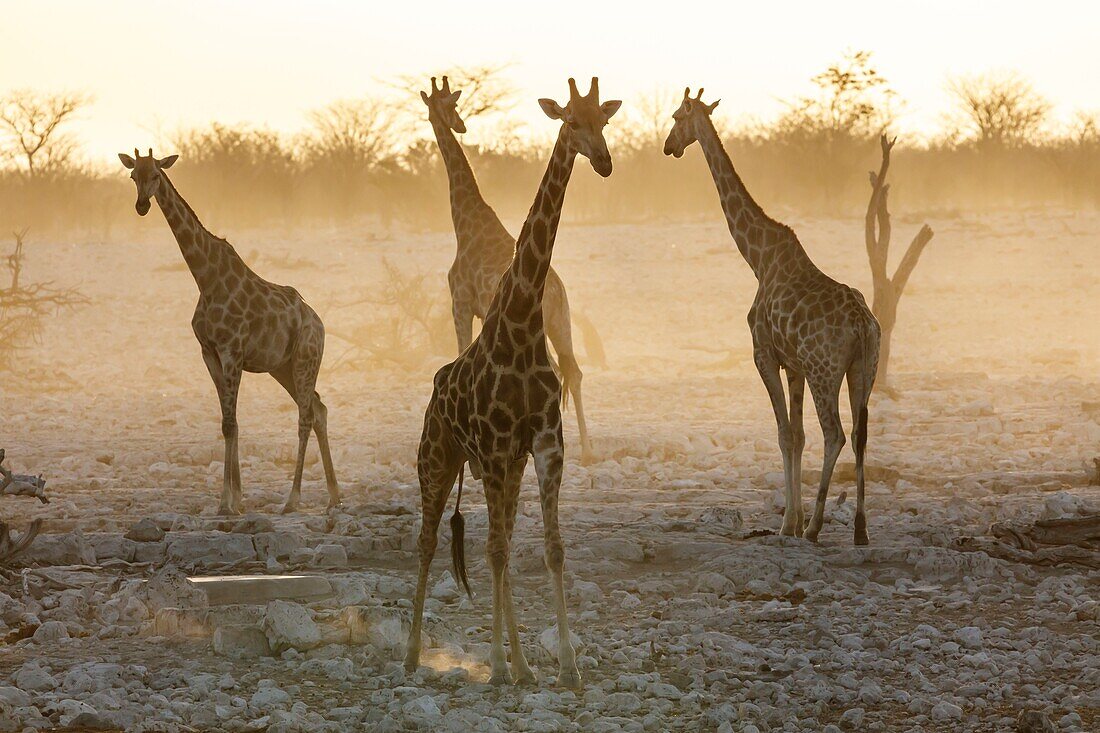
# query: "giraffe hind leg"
x,y
560,333
796,386
826,395
521,671
548,466
296,379
857,397
437,466
320,427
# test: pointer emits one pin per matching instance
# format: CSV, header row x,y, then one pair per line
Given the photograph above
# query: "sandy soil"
x,y
687,622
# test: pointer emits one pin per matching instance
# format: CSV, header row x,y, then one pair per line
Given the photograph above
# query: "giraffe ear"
x,y
164,163
126,160
454,96
610,107
552,109
712,105
424,97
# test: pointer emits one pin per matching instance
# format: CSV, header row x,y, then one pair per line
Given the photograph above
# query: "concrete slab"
x,y
223,590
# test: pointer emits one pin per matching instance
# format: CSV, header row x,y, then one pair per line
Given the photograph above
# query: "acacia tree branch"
x,y
878,245
909,260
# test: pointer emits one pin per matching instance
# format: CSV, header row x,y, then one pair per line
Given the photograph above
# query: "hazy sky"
x,y
159,64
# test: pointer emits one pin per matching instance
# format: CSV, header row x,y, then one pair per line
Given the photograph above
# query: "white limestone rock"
x,y
241,642
290,625
145,530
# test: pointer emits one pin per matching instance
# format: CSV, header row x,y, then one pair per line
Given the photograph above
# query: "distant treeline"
x,y
369,161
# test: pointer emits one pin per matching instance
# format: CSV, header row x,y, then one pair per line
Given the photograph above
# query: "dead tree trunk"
x,y
887,290
18,485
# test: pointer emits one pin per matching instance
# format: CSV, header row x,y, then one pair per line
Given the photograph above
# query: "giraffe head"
x,y
145,173
443,106
586,117
685,120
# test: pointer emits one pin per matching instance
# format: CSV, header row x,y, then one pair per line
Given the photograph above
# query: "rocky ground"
x,y
689,615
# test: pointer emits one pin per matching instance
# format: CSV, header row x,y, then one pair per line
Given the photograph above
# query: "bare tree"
x,y
1000,109
23,306
16,485
32,124
647,121
359,132
853,100
485,90
887,290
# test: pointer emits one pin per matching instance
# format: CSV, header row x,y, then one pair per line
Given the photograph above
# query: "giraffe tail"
x,y
458,538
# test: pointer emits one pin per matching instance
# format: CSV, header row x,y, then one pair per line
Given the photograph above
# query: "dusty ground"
x,y
687,623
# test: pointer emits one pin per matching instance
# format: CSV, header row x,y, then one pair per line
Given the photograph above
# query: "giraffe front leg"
x,y
497,548
769,373
549,455
231,482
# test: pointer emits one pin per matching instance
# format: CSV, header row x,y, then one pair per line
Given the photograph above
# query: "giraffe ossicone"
x,y
818,330
243,323
499,403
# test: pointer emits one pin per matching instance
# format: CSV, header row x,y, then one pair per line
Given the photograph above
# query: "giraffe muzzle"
x,y
142,207
602,166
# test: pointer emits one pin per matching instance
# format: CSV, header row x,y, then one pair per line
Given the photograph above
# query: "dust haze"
x,y
691,612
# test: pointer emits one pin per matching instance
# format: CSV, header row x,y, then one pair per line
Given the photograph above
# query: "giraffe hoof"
x,y
811,534
225,511
570,679
289,509
525,677
500,679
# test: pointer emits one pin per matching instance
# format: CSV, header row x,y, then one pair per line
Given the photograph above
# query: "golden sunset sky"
x,y
163,65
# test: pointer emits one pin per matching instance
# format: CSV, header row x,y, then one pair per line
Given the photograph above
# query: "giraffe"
x,y
499,402
485,250
243,324
819,330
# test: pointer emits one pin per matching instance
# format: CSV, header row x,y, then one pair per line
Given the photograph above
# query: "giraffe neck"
x,y
466,198
522,287
205,254
761,240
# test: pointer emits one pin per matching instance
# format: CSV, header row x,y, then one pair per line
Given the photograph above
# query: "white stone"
x,y
145,530
446,589
50,631
549,639
14,697
170,588
290,625
330,556
970,637
33,678
944,711
268,697
241,642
